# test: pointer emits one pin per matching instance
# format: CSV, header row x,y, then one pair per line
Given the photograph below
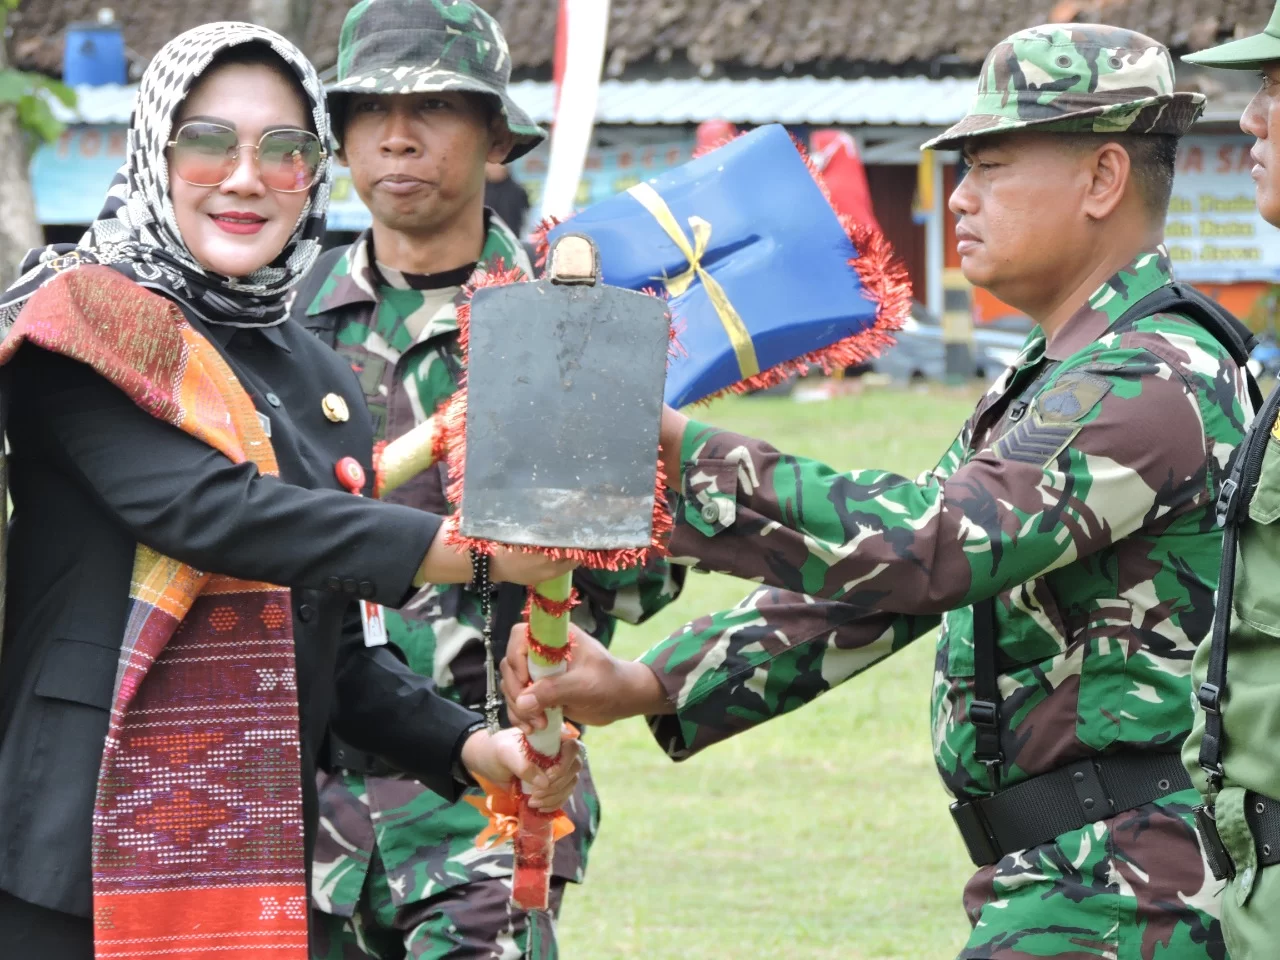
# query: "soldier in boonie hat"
x,y
421,46
1071,140
420,108
1046,97
1076,78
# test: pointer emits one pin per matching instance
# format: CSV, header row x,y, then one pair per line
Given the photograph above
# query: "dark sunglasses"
x,y
206,154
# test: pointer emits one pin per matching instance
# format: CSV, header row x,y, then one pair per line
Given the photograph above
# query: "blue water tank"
x,y
94,55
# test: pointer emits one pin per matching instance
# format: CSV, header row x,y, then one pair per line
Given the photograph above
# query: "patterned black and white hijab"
x,y
136,232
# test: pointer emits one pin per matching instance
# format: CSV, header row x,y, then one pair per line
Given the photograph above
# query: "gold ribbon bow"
x,y
745,350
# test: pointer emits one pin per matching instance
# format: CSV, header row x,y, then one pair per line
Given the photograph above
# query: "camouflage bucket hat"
x,y
1248,53
1076,78
422,46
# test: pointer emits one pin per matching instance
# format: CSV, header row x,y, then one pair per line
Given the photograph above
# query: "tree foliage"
x,y
33,94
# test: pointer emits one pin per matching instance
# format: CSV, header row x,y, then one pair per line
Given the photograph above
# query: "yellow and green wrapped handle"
x,y
550,603
398,462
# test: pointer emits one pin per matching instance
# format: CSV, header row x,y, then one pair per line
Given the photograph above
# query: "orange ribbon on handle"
x,y
501,807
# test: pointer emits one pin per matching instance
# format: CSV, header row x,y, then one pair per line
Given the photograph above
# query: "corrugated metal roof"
x,y
911,101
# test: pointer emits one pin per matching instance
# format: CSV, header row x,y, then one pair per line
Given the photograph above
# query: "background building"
x,y
891,73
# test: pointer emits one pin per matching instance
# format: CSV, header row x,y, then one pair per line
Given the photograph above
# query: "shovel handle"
x,y
534,843
407,456
574,260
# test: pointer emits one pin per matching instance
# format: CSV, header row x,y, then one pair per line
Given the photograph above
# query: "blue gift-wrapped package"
x,y
762,273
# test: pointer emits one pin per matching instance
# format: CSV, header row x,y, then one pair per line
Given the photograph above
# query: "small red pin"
x,y
350,474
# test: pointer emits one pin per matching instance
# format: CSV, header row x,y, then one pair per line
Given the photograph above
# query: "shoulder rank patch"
x,y
1054,419
1071,397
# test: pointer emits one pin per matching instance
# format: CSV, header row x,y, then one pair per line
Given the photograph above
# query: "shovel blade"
x,y
564,401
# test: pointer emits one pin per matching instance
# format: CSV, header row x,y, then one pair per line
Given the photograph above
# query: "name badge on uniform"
x,y
375,624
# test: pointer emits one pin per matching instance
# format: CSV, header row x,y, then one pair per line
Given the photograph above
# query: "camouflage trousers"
x,y
473,921
1134,887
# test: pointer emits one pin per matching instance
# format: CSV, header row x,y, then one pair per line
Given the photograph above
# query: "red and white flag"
x,y
581,31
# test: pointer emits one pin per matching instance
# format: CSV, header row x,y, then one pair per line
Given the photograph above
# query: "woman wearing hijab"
x,y
174,450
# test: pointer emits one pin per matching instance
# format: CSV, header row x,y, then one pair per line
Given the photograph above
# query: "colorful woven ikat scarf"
x,y
197,828
197,833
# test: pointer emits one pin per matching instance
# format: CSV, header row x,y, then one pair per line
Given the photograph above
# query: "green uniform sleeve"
x,y
774,652
1077,472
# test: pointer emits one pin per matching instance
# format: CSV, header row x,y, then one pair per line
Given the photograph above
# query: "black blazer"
x,y
91,475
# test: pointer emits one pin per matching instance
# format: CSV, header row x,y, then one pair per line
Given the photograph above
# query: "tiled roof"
x,y
767,35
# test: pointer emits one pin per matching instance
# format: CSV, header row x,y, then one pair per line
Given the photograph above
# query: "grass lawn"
x,y
824,834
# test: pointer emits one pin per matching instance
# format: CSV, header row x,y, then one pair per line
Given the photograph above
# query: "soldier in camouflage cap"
x,y
421,46
1076,79
420,107
1066,542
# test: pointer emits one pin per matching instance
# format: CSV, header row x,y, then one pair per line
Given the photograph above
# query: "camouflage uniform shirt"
x,y
1087,509
426,844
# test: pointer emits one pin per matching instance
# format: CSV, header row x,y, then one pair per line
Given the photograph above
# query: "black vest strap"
x,y
1187,301
1233,509
984,710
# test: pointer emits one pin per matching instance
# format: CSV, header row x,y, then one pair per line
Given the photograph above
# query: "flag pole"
x,y
581,32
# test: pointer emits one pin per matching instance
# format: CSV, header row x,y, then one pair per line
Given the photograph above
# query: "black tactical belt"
x,y
1263,816
1042,808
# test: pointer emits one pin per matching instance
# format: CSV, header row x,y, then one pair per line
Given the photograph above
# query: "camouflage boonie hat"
x,y
1247,53
1076,78
422,46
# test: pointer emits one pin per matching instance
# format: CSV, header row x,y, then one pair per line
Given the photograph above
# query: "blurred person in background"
x,y
835,154
504,195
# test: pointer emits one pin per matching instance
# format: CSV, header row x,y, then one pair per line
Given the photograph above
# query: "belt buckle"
x,y
1220,862
975,833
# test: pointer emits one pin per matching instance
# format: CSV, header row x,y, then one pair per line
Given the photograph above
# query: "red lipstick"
x,y
238,222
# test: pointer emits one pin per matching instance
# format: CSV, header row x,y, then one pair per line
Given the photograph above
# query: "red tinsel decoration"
x,y
539,238
438,448
454,433
499,276
542,762
675,348
552,608
552,655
